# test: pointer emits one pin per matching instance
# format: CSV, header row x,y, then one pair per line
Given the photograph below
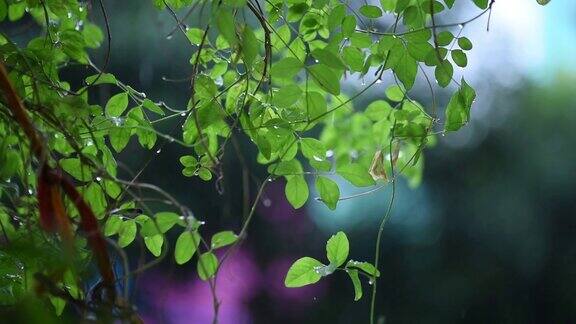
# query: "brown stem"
x,y
51,208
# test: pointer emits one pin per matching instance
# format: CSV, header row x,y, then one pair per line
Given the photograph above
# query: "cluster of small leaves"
x,y
272,71
307,270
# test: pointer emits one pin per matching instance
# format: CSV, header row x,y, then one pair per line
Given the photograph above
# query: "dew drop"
x,y
378,81
183,114
267,202
329,153
460,26
158,151
30,191
169,37
118,121
98,179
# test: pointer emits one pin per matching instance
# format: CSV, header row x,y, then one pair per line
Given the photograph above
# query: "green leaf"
x,y
250,46
458,109
464,43
117,104
287,96
76,168
395,92
286,68
406,69
328,58
195,35
119,137
186,246
166,220
449,3
316,105
290,167
356,282
127,233
222,239
353,57
104,78
371,11
541,2
112,225
356,174
348,26
378,110
207,265
336,16
364,266
313,149
303,271
227,26
444,38
329,191
482,4
3,10
388,5
325,77
459,58
154,244
296,190
337,249
443,73
150,105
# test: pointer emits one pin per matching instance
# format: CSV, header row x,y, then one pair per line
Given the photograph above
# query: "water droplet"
x,y
183,114
118,121
363,82
354,154
158,151
371,282
316,158
316,61
378,81
98,179
169,37
329,153
30,191
267,202
171,139
460,26
69,14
